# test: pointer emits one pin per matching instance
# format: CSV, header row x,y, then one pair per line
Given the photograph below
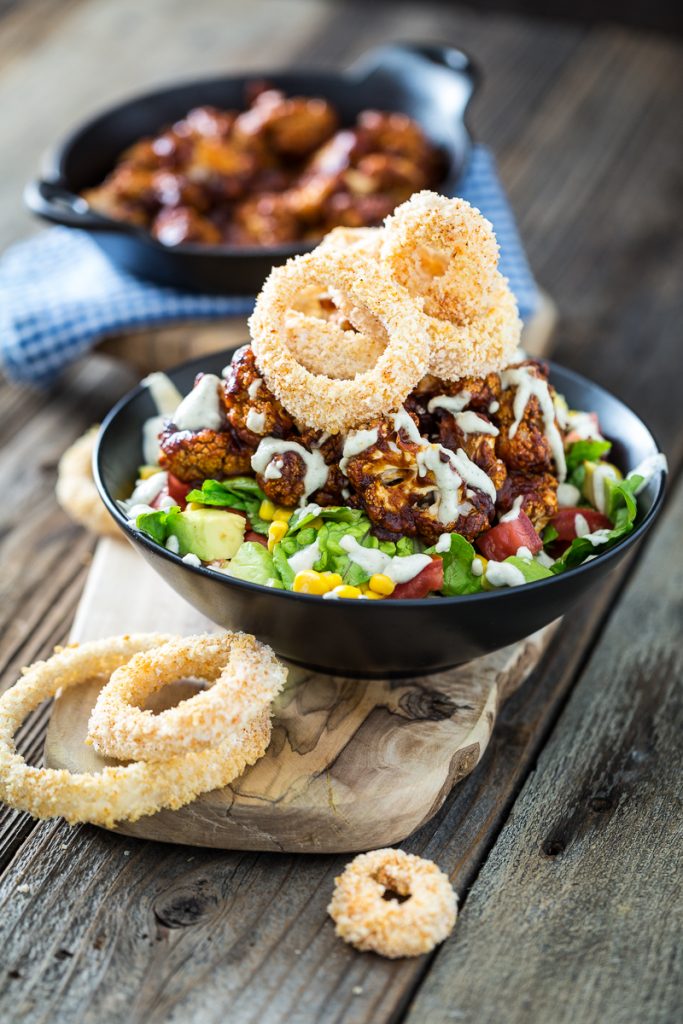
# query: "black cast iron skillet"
x,y
431,83
375,638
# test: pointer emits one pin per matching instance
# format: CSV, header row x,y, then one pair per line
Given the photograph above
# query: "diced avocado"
x,y
593,487
210,533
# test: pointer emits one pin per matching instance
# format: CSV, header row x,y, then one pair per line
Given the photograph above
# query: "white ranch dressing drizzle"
x,y
146,491
399,568
494,407
166,398
650,465
527,386
305,558
524,553
191,559
472,423
449,473
316,471
443,543
355,443
451,403
255,421
544,559
504,574
514,511
567,495
272,471
254,388
173,544
201,408
582,424
403,421
477,566
601,474
582,530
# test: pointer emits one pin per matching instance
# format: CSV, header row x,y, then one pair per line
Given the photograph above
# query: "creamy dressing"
x,y
173,544
134,511
451,403
583,425
568,496
513,514
596,538
443,543
504,574
524,553
355,443
405,422
309,510
544,559
601,474
477,566
494,407
648,468
191,559
528,386
398,568
201,408
254,388
272,471
305,558
316,471
166,398
473,423
146,491
255,421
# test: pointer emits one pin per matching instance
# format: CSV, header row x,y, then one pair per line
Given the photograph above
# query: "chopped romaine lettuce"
x,y
330,513
239,492
458,577
156,524
622,510
254,563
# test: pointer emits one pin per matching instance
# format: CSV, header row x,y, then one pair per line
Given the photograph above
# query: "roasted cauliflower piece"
x,y
175,225
284,478
387,484
528,450
252,410
292,126
538,492
203,454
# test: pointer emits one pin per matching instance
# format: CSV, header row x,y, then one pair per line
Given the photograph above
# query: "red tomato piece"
x,y
426,581
577,435
505,539
564,522
178,490
256,538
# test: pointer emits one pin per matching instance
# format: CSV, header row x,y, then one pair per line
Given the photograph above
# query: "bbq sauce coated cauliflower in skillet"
x,y
383,436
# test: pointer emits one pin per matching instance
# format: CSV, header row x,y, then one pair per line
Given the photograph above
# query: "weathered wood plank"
x,y
577,913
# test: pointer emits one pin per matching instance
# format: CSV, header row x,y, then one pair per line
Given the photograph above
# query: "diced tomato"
x,y
580,435
256,538
564,522
429,579
505,539
178,490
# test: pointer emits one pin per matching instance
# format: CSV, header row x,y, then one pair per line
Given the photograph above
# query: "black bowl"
x,y
375,638
431,83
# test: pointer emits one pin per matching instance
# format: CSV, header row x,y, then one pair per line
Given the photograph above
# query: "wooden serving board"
x,y
352,764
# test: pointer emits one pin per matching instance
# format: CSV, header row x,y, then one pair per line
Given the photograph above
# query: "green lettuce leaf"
x,y
156,524
330,513
622,510
254,563
585,451
240,492
530,570
458,577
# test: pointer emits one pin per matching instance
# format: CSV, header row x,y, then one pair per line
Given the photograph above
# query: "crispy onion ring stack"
x,y
422,294
184,769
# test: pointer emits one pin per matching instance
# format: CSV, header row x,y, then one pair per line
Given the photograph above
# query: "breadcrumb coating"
x,y
414,924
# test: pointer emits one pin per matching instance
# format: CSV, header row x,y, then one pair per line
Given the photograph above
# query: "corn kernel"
x,y
267,510
382,584
308,581
332,579
276,532
348,591
282,515
371,595
316,523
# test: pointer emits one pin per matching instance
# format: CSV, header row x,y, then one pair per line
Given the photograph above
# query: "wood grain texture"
x,y
352,765
577,913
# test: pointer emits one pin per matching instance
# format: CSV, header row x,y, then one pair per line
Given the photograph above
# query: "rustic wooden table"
x,y
564,844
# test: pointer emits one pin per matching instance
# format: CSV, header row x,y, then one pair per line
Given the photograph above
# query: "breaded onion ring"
x,y
76,491
365,240
443,250
247,677
121,793
326,348
316,399
422,918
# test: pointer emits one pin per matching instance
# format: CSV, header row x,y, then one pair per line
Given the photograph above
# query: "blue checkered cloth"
x,y
59,294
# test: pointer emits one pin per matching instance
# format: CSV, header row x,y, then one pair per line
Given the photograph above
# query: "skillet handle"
x,y
398,58
54,202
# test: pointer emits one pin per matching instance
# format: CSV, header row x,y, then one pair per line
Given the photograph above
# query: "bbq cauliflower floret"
x,y
524,445
538,492
251,409
302,467
405,485
292,127
203,454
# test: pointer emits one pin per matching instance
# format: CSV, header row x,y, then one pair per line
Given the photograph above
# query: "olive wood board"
x,y
352,764
160,348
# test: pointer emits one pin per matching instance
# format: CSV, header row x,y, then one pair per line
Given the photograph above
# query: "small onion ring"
x,y
368,921
325,348
76,491
247,677
120,793
315,399
444,250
